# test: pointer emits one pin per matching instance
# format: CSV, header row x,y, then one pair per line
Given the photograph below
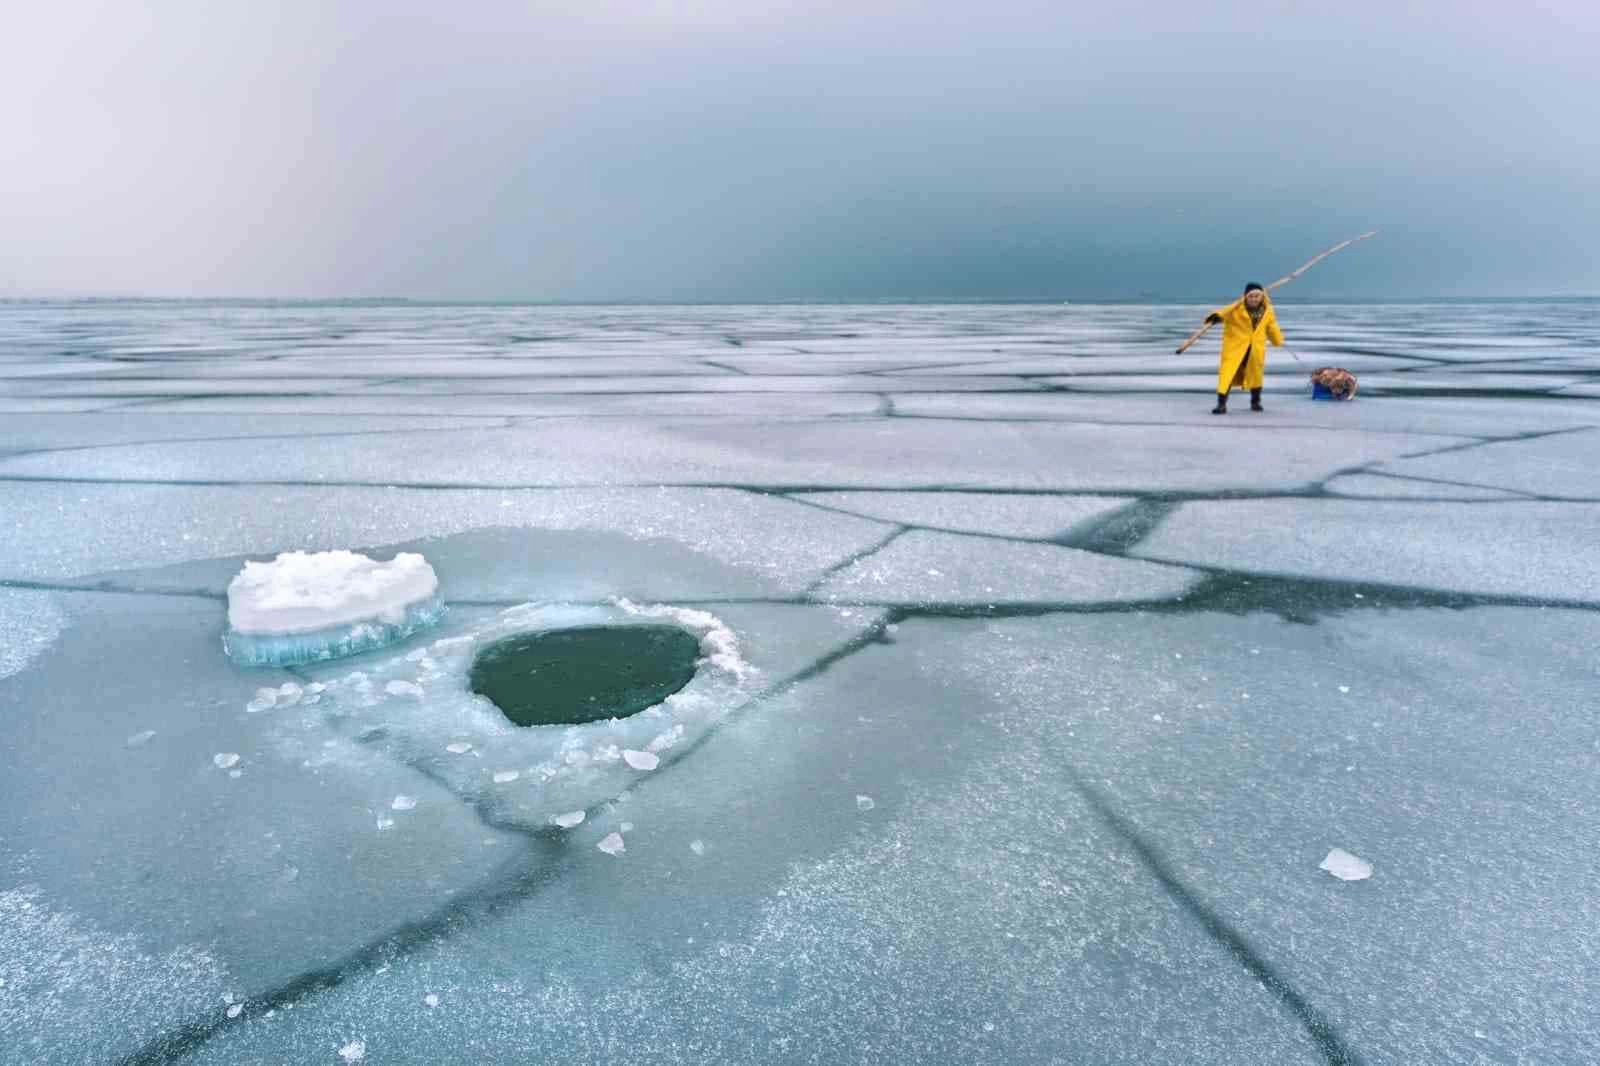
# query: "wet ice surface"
x,y
1033,699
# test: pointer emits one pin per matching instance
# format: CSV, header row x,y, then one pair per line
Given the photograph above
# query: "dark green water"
x,y
584,674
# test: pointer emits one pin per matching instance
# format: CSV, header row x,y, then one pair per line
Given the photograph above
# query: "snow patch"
x,y
718,644
300,592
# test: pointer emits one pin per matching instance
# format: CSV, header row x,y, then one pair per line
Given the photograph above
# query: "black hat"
x,y
1252,287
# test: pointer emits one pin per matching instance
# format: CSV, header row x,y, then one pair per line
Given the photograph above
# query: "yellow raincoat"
x,y
1244,345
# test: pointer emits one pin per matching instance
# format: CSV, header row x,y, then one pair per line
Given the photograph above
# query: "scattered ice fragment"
x,y
641,760
385,823
235,774
141,738
1156,718
404,688
697,846
354,1051
568,820
403,803
865,803
612,844
1344,688
626,827
431,1000
988,1027
1345,866
502,776
289,693
460,747
264,699
1246,695
225,760
235,1010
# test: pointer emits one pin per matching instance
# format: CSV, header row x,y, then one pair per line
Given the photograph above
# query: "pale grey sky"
x,y
749,151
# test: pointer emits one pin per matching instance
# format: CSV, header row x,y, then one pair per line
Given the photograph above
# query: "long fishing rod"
x,y
1313,261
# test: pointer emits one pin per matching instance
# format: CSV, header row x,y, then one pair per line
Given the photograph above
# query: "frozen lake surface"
x,y
1042,716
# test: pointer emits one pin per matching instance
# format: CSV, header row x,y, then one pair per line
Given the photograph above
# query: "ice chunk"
x,y
235,1010
431,999
354,1051
225,760
141,738
309,606
502,776
460,747
697,846
404,688
568,820
1345,866
612,844
865,803
641,760
403,803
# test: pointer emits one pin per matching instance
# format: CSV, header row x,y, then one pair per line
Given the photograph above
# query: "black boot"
x,y
1222,404
1255,400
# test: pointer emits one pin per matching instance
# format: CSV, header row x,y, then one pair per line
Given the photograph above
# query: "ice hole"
x,y
584,674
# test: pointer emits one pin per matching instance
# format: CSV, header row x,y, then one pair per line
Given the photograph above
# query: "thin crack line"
x,y
1321,1029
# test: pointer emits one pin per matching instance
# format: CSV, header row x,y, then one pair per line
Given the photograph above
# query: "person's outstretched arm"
x,y
1274,334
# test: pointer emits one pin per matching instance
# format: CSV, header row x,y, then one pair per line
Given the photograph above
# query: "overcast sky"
x,y
739,150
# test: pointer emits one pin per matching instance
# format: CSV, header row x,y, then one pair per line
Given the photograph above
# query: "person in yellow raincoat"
x,y
1248,325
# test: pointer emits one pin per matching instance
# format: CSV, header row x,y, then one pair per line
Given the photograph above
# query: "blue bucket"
x,y
1320,391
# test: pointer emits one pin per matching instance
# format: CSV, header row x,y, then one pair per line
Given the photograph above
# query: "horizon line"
x,y
424,301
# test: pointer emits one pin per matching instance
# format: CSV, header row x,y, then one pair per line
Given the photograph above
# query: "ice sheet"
x,y
1242,750
1384,486
163,812
904,452
976,911
1013,838
83,529
41,432
1558,464
1453,416
1528,548
596,405
924,567
1008,515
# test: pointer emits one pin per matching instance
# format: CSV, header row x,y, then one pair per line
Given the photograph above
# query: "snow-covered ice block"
x,y
311,606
